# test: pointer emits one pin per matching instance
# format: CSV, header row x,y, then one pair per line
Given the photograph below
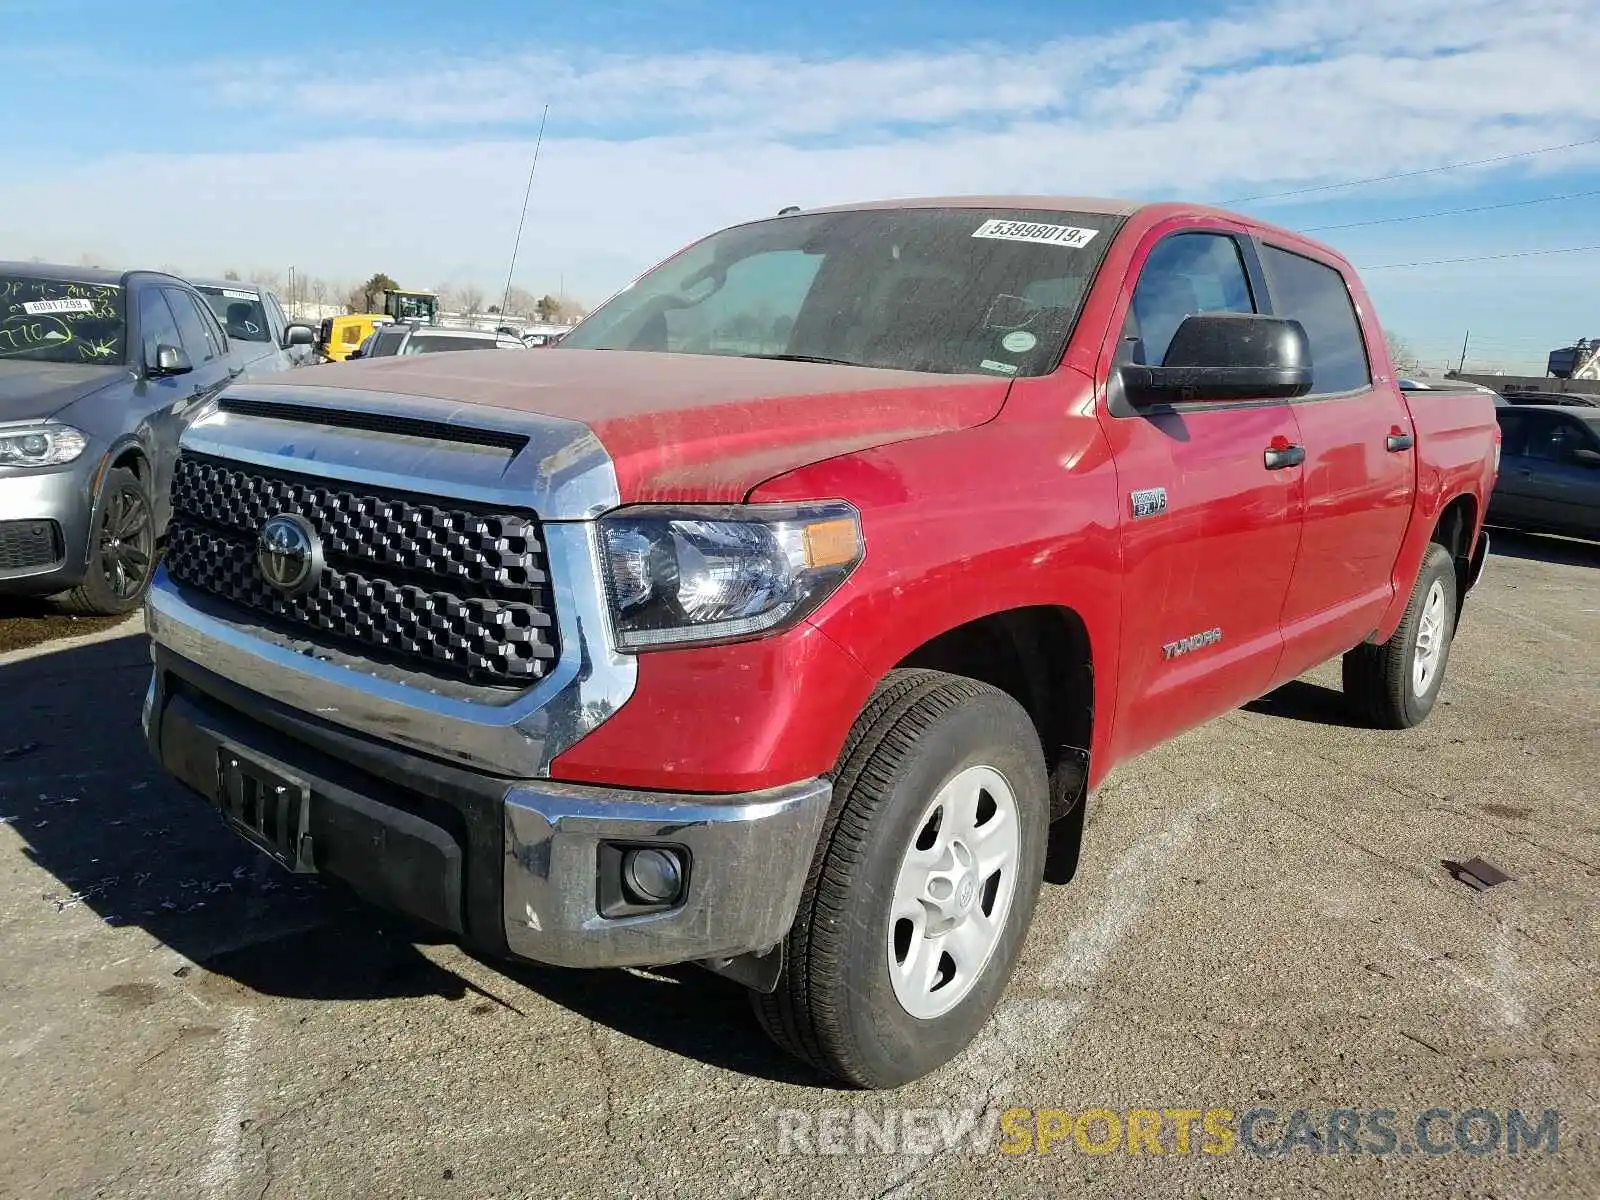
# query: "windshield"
x,y
952,290
432,343
411,308
241,313
60,321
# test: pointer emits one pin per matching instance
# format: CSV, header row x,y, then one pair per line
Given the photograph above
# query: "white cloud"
x,y
1283,95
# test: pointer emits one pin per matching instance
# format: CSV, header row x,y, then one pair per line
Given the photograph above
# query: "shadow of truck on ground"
x,y
123,841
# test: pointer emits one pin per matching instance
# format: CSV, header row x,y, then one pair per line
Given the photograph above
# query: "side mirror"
x,y
353,354
170,360
1586,456
299,335
1217,357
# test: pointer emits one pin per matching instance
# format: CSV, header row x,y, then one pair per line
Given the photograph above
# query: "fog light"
x,y
655,876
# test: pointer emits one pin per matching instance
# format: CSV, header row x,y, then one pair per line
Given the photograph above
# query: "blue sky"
x,y
205,136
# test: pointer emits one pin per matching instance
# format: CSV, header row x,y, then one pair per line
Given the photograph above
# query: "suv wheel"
x,y
922,887
123,555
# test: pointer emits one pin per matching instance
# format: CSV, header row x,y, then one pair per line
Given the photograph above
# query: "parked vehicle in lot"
x,y
254,320
1550,471
1561,399
338,337
99,373
769,620
401,339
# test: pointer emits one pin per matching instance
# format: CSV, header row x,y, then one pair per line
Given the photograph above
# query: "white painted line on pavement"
x,y
221,1174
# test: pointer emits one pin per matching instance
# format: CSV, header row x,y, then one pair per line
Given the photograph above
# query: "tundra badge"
x,y
1195,641
1148,502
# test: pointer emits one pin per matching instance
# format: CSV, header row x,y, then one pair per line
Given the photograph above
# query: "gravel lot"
x,y
1259,917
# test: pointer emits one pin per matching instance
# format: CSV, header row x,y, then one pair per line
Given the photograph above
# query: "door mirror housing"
x,y
1217,357
1586,456
170,360
299,335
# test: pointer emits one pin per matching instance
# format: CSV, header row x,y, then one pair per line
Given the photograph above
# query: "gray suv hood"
x,y
32,391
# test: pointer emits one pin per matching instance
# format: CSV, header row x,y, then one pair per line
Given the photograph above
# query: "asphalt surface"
x,y
1259,917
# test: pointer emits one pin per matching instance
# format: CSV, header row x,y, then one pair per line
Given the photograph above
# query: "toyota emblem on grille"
x,y
289,554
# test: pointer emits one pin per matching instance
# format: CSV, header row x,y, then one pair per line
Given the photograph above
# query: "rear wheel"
x,y
922,887
123,554
1395,685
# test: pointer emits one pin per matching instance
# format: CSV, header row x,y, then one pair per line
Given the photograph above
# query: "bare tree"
x,y
317,289
230,273
268,279
520,303
1401,355
471,299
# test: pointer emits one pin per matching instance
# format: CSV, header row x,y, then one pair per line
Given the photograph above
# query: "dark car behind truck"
x,y
769,620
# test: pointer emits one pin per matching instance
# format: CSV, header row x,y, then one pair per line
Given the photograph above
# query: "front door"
x,y
1360,470
1210,519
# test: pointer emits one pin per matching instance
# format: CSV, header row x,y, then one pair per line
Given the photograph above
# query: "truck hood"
x,y
33,391
690,427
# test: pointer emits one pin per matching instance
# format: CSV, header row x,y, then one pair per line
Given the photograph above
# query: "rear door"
x,y
1556,490
1360,469
1210,520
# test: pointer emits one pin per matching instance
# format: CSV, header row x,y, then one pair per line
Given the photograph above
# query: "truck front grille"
x,y
430,584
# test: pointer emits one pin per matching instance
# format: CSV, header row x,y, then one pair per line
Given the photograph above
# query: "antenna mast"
x,y
517,245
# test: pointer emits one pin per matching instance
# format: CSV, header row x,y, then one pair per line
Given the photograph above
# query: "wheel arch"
x,y
1042,656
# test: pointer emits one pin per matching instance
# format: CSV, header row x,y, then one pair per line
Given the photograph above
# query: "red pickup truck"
x,y
770,620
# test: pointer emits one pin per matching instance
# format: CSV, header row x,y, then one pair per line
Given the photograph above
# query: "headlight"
x,y
40,446
687,576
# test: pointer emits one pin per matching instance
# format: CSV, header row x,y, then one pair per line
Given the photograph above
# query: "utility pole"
x,y
291,290
1462,365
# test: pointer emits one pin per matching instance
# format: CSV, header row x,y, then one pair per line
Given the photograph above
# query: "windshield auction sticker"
x,y
1028,231
39,308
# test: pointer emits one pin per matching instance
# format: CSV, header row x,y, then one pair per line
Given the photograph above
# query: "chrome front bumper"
x,y
511,867
748,857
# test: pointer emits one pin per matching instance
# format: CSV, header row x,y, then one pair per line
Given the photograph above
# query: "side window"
x,y
279,318
198,341
1316,296
1186,273
1554,439
156,326
754,310
213,326
1513,434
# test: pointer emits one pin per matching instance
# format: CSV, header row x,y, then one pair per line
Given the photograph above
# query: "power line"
x,y
1454,212
1455,166
1440,262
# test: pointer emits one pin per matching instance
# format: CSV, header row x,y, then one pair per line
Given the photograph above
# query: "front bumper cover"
x,y
509,866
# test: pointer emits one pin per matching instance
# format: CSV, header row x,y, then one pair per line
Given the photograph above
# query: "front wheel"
x,y
922,887
1394,685
123,554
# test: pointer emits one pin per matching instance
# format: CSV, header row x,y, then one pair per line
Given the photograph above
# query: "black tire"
x,y
122,550
835,1006
1379,680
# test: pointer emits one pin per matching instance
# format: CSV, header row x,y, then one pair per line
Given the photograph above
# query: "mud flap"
x,y
1475,564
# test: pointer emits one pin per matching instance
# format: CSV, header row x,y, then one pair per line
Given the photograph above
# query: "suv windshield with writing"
x,y
240,312
950,290
61,321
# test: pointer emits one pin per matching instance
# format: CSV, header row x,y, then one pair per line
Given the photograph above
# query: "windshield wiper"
x,y
813,358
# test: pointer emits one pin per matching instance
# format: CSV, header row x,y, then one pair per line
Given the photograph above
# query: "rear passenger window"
x,y
1185,274
1316,296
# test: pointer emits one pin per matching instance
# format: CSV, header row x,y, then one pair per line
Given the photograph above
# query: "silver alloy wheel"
x,y
1430,640
952,892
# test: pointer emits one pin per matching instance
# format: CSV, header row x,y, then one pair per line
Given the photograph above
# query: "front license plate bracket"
x,y
266,806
